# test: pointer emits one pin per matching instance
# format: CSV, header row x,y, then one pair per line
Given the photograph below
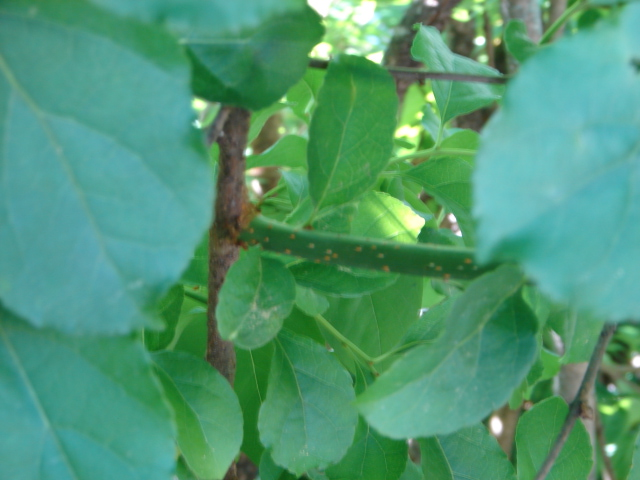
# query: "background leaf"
x,y
453,98
340,281
169,309
127,190
351,132
207,412
454,382
535,435
380,215
545,194
518,42
80,407
471,454
307,419
255,298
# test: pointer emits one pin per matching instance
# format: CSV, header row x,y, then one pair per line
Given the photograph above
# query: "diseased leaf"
x,y
254,67
207,412
307,419
256,296
553,167
99,163
453,98
351,132
536,432
471,454
80,407
453,382
371,457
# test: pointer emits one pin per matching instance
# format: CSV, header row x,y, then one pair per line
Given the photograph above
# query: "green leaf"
x,y
412,472
207,412
380,215
290,151
252,372
255,298
551,210
448,180
579,333
80,407
375,322
518,42
351,132
454,382
270,471
197,273
340,281
100,165
466,139
453,98
253,67
471,454
310,302
169,309
307,419
537,430
371,457
634,473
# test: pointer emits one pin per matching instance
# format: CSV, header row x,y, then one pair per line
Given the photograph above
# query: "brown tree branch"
x,y
414,75
580,405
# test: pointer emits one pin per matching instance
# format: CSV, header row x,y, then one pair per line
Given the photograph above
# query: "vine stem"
x,y
548,35
580,405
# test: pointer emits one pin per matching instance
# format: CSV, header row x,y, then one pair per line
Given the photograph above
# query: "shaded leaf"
x,y
307,419
80,407
289,151
253,67
471,454
108,147
518,42
169,310
545,195
536,432
207,412
351,134
453,98
256,296
453,382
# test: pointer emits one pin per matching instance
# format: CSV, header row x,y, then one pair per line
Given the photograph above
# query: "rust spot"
x,y
292,236
329,251
251,230
196,287
380,255
374,247
468,261
335,255
312,245
358,249
266,239
317,260
269,227
431,264
396,247
438,268
446,277
327,258
385,268
287,251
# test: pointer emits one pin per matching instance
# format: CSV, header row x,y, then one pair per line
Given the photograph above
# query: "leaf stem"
x,y
436,152
548,35
369,361
580,405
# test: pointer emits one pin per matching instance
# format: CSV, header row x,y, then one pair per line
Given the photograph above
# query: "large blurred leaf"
x,y
207,412
535,435
485,351
253,67
453,98
371,457
307,419
557,179
79,408
351,132
448,180
470,454
201,17
106,188
257,295
375,322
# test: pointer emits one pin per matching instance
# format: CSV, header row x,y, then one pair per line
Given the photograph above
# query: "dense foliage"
x,y
106,191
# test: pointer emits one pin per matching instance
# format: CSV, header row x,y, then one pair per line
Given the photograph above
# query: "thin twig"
x,y
608,473
215,129
580,405
417,74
